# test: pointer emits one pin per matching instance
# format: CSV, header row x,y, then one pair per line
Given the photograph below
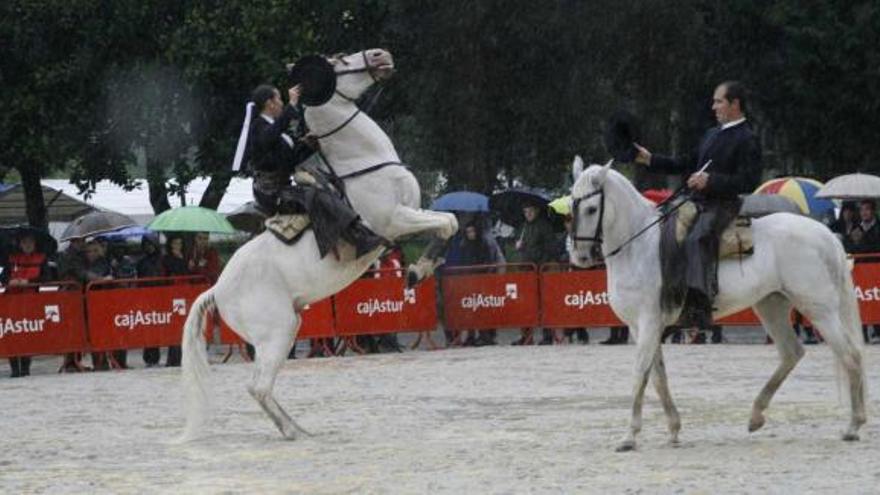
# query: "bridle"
x,y
596,238
366,68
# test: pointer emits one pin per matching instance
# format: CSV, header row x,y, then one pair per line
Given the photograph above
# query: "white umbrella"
x,y
851,186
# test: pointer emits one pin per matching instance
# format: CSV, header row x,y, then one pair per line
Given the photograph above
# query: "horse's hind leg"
x,y
271,353
661,385
827,319
774,312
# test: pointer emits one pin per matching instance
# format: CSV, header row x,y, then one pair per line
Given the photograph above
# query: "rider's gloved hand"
x,y
293,95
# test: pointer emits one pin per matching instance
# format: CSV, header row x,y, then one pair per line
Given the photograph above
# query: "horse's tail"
x,y
851,322
195,366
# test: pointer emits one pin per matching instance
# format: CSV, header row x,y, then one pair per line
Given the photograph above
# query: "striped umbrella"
x,y
802,191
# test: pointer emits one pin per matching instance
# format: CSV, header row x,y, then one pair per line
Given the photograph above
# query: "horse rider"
x,y
274,155
733,155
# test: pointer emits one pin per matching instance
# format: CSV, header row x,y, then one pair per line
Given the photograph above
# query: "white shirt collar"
x,y
867,225
267,118
731,124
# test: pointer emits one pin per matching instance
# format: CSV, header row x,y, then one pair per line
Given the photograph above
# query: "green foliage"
x,y
486,90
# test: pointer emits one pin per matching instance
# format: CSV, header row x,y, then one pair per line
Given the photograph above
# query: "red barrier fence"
x,y
384,305
41,319
491,296
60,317
866,277
131,314
574,298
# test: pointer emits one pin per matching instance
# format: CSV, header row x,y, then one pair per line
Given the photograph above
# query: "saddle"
x,y
735,241
317,202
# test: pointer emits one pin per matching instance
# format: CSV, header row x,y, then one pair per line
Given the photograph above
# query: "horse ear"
x,y
577,167
599,178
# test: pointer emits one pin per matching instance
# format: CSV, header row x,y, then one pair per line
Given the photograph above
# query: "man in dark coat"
x,y
536,244
733,155
273,155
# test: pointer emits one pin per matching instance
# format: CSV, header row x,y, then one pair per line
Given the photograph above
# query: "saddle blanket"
x,y
288,228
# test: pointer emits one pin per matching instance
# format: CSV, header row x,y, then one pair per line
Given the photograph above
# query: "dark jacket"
x,y
72,266
870,241
736,162
267,151
174,266
538,241
476,252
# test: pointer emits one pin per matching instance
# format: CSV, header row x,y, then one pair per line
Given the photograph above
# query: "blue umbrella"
x,y
461,201
127,233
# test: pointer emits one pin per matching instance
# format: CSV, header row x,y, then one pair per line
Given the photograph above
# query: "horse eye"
x,y
591,210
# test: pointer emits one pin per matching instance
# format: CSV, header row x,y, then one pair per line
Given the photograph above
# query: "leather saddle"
x,y
735,241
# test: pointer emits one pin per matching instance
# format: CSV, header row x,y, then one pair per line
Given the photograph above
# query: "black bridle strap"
x,y
597,238
347,121
635,236
367,170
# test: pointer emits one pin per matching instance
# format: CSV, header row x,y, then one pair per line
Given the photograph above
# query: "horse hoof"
x,y
674,442
626,446
850,437
756,424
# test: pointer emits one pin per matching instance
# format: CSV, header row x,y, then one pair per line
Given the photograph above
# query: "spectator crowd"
x,y
28,256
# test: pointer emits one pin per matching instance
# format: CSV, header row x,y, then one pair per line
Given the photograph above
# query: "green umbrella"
x,y
191,219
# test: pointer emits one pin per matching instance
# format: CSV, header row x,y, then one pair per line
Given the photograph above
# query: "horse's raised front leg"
x,y
661,385
647,345
774,311
406,221
444,225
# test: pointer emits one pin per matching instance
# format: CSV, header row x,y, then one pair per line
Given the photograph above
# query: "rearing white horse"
x,y
267,283
797,262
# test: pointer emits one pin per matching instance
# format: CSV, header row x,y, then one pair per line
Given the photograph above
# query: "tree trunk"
x,y
157,188
35,204
216,189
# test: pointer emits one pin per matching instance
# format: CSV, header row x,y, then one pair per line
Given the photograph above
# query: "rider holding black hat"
x,y
726,164
273,155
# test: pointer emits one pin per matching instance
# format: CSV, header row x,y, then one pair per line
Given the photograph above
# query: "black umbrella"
x,y
9,237
97,222
509,204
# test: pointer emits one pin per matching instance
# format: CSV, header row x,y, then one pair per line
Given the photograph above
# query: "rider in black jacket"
x,y
733,155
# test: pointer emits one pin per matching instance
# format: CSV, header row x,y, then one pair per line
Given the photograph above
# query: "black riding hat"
x,y
316,77
620,133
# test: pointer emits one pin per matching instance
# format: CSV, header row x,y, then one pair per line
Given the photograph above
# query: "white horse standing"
x,y
797,262
267,283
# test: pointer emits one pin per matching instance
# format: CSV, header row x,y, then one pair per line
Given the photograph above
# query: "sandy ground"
x,y
486,420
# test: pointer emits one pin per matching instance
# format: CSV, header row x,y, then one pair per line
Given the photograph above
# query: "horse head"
x,y
355,73
589,212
